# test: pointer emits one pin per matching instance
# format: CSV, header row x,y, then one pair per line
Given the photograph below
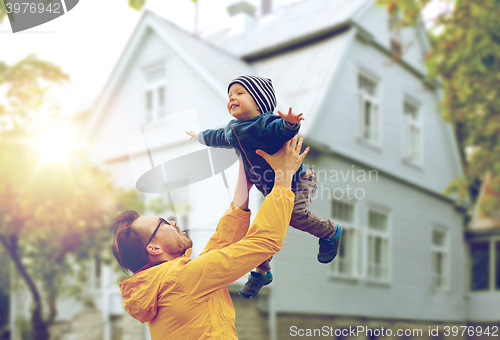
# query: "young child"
x,y
251,102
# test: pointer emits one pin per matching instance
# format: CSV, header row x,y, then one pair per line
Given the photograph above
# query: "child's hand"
x,y
193,135
291,117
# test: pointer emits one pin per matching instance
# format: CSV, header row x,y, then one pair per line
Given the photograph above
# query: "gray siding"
x,y
339,127
304,285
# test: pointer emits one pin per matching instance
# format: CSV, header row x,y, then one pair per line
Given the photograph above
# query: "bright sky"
x,y
88,40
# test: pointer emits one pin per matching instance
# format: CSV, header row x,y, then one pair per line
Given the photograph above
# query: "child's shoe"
x,y
328,248
255,282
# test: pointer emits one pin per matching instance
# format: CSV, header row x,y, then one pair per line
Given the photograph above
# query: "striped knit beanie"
x,y
261,89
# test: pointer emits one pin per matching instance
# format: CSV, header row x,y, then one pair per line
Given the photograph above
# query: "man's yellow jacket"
x,y
187,299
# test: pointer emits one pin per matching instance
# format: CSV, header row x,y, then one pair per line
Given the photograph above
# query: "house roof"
x,y
218,61
322,24
221,64
215,66
293,23
302,79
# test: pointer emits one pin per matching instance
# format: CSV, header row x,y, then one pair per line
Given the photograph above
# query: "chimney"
x,y
268,7
242,16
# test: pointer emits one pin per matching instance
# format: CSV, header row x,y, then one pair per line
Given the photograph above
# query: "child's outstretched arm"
x,y
290,117
214,138
286,127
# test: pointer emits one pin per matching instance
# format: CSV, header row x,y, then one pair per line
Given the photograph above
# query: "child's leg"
x,y
257,279
264,267
302,218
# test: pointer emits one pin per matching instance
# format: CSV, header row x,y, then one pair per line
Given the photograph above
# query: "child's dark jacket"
x,y
266,132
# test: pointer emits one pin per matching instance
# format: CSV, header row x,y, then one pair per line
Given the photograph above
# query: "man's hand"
x,y
193,135
286,161
291,117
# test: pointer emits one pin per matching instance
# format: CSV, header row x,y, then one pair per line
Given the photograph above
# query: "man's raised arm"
x,y
217,268
234,223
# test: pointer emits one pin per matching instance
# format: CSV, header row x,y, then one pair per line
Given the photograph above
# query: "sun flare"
x,y
54,144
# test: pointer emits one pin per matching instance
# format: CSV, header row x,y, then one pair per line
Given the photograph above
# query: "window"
x,y
155,93
95,272
396,44
412,132
439,260
396,47
378,246
367,87
497,248
98,271
344,263
480,264
481,252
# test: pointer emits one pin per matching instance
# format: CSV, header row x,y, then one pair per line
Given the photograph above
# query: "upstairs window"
x,y
396,42
369,124
412,134
155,93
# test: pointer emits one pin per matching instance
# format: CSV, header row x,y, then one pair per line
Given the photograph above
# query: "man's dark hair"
x,y
129,243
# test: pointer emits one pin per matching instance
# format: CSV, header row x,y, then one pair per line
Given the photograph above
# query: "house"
x,y
382,153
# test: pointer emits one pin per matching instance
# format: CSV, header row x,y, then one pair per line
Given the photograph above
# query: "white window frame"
x,y
412,149
153,86
349,229
494,240
385,236
440,284
369,134
395,36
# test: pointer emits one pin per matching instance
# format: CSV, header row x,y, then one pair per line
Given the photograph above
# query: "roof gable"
x,y
214,66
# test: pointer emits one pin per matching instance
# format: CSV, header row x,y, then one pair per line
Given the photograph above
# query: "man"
x,y
187,299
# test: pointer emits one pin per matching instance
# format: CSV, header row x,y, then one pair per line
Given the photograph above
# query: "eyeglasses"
x,y
162,220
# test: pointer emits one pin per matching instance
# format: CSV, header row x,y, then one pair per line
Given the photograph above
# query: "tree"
x,y
465,58
53,214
